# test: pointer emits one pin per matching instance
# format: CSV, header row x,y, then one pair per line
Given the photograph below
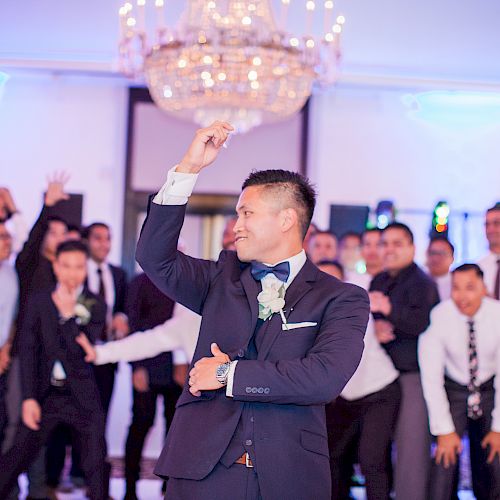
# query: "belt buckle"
x,y
247,461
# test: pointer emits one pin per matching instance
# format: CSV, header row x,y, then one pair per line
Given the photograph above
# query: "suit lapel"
x,y
251,289
300,286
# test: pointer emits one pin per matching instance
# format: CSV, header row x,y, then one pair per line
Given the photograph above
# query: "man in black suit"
x,y
147,308
58,385
278,340
34,268
110,283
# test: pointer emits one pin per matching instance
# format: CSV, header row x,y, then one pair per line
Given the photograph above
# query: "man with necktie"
x,y
490,264
459,357
278,340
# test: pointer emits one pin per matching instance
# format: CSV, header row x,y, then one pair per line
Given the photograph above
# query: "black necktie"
x,y
281,270
102,289
496,290
102,294
474,410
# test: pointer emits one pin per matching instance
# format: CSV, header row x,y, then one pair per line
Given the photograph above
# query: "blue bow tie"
x,y
281,270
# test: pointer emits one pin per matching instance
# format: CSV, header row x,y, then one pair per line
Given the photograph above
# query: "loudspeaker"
x,y
348,218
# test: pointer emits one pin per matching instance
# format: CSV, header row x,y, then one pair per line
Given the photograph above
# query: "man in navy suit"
x,y
58,386
279,339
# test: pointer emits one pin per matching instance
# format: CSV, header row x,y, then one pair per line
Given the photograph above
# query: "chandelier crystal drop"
x,y
229,59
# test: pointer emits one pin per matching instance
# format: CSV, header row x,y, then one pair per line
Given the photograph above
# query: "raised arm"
x,y
181,331
183,278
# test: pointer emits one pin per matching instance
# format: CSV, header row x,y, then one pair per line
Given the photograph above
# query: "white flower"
x,y
276,305
82,313
267,296
271,300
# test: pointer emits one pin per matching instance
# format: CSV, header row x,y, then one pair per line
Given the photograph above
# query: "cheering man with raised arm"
x,y
278,340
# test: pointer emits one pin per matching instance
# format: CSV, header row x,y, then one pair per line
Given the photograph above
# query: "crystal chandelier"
x,y
229,59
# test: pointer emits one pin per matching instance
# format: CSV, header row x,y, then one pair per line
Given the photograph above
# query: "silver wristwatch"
x,y
222,372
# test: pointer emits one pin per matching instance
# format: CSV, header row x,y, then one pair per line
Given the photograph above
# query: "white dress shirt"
x,y
109,286
444,286
176,191
19,231
9,293
375,370
443,349
179,332
489,266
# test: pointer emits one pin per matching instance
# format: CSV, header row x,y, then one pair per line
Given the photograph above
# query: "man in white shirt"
x,y
440,254
9,292
490,264
366,408
459,358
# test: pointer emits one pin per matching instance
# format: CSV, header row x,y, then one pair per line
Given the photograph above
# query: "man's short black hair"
x,y
401,227
494,208
334,263
56,218
469,267
87,231
444,240
72,246
299,187
369,230
319,232
350,234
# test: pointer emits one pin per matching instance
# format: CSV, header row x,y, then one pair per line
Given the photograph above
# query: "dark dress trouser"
x,y
485,477
88,425
3,407
373,417
143,416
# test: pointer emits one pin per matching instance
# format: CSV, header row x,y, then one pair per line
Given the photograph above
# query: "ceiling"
x,y
434,39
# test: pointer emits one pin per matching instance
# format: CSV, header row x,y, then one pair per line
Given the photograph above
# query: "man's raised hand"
x,y
55,188
205,147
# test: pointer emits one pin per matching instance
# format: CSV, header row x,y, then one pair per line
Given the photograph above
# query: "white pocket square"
x,y
293,326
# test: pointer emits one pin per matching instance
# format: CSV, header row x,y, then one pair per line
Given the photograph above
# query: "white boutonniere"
x,y
82,310
272,300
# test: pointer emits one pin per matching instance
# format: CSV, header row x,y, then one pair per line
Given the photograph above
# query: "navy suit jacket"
x,y
42,341
295,374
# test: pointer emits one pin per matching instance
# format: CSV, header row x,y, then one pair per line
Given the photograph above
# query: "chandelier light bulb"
x,y
230,60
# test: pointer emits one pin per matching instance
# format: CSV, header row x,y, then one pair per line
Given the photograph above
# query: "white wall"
x,y
372,144
75,124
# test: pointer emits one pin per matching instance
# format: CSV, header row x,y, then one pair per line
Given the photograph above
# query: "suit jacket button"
x,y
267,390
248,442
248,390
241,353
254,390
260,390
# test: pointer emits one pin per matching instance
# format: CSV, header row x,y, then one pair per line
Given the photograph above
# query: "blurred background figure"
x,y
350,251
490,264
440,256
322,246
332,267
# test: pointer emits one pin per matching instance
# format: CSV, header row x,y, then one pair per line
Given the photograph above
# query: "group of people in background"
x,y
427,377
429,368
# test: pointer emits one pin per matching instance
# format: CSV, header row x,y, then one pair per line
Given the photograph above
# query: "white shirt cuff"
x,y
230,379
177,189
179,357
